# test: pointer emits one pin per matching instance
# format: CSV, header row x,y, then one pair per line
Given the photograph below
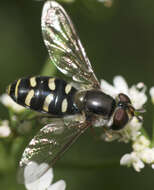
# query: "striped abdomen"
x,y
44,94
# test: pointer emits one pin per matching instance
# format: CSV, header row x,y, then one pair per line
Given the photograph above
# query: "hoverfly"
x,y
75,106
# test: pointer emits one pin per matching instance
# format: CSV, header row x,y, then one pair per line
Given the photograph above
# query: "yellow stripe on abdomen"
x,y
16,88
47,102
51,84
64,105
33,82
29,97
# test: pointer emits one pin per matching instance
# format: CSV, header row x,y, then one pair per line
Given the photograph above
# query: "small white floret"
x,y
5,130
152,166
138,98
120,84
141,143
132,159
147,155
59,185
8,102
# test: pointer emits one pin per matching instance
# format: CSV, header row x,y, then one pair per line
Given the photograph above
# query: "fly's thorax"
x,y
79,99
95,102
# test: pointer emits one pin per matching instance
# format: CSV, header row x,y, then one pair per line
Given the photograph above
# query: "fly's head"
x,y
124,112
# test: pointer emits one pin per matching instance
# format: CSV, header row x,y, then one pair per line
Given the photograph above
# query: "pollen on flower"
x,y
8,102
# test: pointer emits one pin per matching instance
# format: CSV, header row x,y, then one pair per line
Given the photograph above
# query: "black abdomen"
x,y
44,94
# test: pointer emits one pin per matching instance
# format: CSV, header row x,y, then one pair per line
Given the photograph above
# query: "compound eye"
x,y
120,119
124,98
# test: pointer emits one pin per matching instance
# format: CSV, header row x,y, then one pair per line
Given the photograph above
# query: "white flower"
x,y
136,93
132,129
44,182
132,159
6,100
141,143
5,129
138,98
147,155
142,153
152,94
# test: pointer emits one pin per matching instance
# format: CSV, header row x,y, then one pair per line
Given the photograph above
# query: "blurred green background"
x,y
118,40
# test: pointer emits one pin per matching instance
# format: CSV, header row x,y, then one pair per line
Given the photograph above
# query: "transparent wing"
x,y
64,47
46,147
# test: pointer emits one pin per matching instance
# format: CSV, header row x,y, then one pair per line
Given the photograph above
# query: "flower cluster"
x,y
142,152
137,95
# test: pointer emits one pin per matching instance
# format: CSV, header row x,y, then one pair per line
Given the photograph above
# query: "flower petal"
x,y
138,165
141,143
126,160
147,155
108,88
132,159
138,98
6,100
120,84
59,185
43,182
